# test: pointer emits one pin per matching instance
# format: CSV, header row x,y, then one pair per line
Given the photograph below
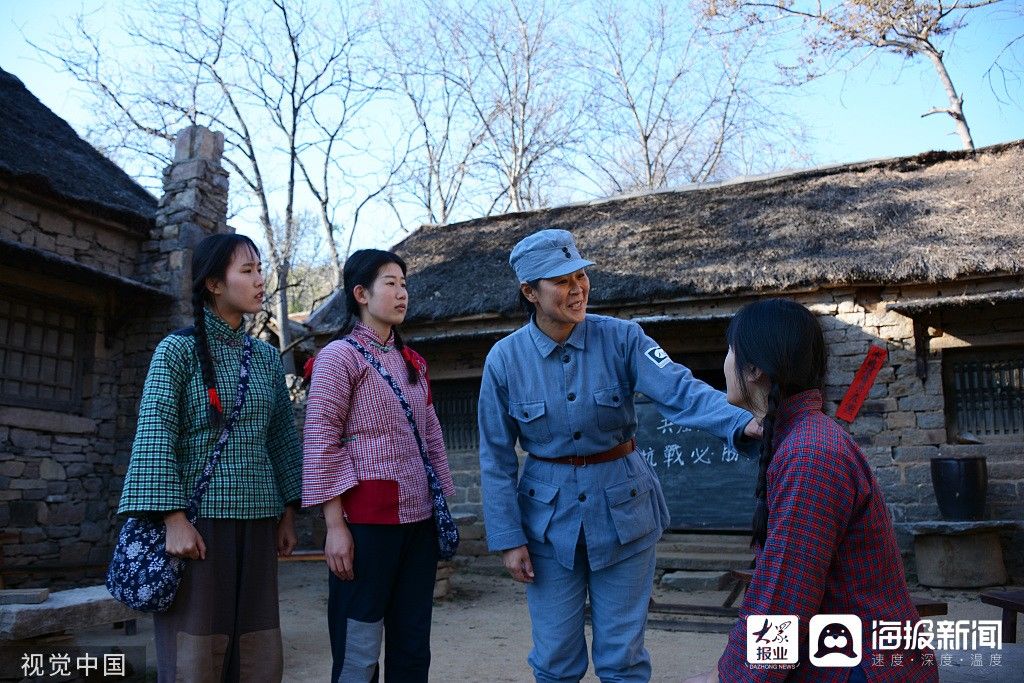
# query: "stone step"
x,y
703,561
696,580
700,543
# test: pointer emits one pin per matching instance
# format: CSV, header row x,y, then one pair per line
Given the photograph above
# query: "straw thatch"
x,y
935,217
41,152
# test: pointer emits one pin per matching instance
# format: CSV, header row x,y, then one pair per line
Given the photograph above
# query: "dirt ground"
x,y
482,631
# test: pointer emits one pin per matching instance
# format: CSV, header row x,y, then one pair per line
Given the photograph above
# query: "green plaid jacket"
x,y
261,467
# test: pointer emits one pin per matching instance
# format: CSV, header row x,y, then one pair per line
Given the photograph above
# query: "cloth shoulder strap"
x,y
243,388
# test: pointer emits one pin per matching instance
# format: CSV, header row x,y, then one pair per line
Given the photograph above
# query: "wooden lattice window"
x,y
456,404
42,352
984,391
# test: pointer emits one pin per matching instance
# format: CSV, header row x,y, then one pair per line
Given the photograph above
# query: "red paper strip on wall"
x,y
862,383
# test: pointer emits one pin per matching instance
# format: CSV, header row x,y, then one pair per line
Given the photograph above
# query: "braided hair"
x,y
783,340
362,268
211,259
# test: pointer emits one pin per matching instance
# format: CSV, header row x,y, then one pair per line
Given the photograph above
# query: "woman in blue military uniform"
x,y
584,517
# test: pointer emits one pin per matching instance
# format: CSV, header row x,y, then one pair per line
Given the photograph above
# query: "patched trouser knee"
x,y
362,650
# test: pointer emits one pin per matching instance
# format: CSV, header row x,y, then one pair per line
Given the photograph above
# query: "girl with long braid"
x,y
365,466
224,623
822,536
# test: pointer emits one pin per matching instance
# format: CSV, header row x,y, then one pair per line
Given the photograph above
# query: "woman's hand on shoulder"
x,y
753,430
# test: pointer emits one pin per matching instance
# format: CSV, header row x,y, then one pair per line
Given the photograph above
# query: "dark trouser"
x,y
391,597
224,624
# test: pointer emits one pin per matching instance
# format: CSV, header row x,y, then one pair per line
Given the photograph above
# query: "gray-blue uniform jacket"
x,y
577,399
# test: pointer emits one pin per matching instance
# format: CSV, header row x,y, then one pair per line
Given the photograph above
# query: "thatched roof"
x,y
40,151
934,217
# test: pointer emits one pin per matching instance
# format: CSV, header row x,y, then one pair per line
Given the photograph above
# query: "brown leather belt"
x,y
620,451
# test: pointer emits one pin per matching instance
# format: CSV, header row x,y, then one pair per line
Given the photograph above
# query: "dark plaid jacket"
x,y
261,467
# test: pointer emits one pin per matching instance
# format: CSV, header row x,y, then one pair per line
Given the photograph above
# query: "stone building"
x,y
923,256
93,272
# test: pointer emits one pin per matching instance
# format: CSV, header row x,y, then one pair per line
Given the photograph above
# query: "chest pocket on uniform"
x,y
533,423
612,408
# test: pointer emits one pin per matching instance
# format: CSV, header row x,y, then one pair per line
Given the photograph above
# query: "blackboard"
x,y
707,484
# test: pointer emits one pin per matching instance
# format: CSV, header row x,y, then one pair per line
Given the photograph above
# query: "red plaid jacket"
x,y
831,549
357,441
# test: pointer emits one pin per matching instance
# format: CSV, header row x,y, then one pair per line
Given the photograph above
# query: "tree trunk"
x,y
284,337
956,103
332,245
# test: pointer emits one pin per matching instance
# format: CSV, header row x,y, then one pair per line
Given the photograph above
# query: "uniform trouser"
x,y
391,597
619,597
224,624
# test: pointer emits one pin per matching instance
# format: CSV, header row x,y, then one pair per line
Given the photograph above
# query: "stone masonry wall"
x,y
61,474
69,233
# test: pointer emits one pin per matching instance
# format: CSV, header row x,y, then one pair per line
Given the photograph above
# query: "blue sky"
x,y
871,111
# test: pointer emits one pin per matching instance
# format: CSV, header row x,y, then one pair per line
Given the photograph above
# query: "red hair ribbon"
x,y
307,370
419,363
211,393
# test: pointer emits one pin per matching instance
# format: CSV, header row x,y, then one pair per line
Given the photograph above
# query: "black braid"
x,y
206,366
414,373
760,522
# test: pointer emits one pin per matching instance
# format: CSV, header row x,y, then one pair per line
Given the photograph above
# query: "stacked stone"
x,y
71,234
194,205
55,476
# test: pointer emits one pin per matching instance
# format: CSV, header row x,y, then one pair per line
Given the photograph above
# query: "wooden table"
x,y
1012,603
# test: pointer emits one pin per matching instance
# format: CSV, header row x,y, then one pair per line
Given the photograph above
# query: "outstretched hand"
x,y
753,430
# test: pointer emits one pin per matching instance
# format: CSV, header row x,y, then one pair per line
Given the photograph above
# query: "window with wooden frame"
x,y
984,391
43,351
456,404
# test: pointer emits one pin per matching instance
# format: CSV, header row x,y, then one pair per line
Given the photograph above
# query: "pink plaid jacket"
x,y
356,431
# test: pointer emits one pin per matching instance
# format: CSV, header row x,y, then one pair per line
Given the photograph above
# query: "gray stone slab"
x,y
947,528
696,580
69,610
23,596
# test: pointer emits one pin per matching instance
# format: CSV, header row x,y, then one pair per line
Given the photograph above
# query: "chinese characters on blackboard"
x,y
676,455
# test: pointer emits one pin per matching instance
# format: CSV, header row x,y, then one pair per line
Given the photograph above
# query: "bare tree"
x,y
261,72
440,118
1005,74
512,64
669,103
840,31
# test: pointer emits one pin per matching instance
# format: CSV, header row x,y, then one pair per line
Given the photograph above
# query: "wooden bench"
x,y
1012,603
926,607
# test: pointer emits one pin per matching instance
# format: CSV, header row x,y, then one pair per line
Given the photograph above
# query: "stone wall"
x,y
68,232
61,474
58,478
